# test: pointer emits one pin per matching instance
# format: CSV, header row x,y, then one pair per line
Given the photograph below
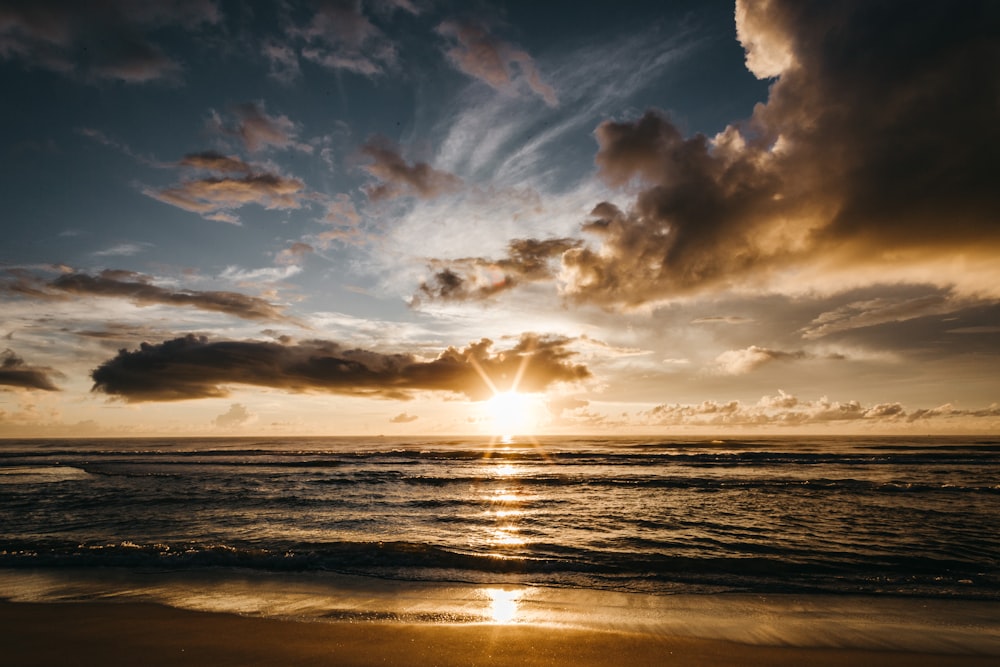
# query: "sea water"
x,y
884,543
897,517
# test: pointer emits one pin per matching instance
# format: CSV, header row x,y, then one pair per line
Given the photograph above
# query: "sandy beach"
x,y
148,634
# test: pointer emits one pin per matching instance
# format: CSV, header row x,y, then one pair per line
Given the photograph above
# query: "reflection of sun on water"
x,y
503,604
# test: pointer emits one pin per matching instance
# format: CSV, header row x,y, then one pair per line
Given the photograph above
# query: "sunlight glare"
x,y
503,604
513,413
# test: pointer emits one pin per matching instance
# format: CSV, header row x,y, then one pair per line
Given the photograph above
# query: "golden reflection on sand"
x,y
503,605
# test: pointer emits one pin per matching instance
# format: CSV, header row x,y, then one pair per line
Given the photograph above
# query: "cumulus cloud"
x,y
527,260
870,162
256,129
14,372
403,418
105,41
479,54
780,410
398,178
141,290
195,367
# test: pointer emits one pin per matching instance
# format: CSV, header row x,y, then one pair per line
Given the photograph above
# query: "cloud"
x,y
257,130
722,319
746,360
294,254
740,362
194,367
283,61
344,221
948,411
477,53
780,410
398,178
340,36
468,278
869,163
215,196
403,418
139,289
94,42
236,416
213,161
122,250
14,372
872,312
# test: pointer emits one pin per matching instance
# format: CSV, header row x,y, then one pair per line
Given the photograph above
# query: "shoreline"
x,y
116,616
103,633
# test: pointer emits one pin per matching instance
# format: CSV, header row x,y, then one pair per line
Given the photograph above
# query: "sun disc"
x,y
513,414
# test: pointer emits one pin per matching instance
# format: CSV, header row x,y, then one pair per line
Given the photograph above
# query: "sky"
x,y
375,217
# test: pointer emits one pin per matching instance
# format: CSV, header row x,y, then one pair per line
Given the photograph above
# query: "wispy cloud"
x,y
258,130
498,63
122,250
230,185
141,290
340,36
397,177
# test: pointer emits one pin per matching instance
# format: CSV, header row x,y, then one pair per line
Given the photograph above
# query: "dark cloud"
x,y
527,260
15,373
398,178
99,41
139,289
870,162
194,367
479,54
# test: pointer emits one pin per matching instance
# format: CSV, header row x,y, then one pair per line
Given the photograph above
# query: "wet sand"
x,y
148,634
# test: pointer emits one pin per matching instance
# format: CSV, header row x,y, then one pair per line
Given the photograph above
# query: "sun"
x,y
513,413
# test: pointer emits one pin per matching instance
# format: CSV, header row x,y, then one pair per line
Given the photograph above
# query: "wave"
x,y
416,561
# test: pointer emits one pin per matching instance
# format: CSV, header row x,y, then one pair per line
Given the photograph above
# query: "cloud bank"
x,y
788,410
195,367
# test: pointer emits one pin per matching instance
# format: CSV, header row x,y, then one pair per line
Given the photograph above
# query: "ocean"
x,y
896,517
